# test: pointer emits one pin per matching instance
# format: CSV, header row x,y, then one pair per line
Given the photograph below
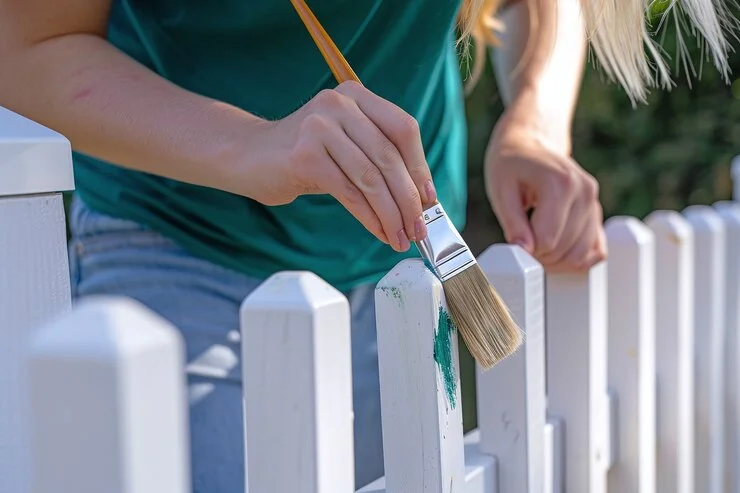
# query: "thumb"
x,y
512,216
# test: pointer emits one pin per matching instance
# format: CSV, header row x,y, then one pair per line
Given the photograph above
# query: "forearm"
x,y
540,63
115,109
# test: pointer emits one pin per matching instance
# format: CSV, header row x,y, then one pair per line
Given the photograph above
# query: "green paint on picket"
x,y
443,355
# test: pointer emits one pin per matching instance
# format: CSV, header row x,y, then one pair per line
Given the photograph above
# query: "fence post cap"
x,y
409,274
627,229
290,291
33,158
508,259
105,327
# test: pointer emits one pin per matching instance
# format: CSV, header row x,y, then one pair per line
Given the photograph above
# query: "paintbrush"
x,y
476,309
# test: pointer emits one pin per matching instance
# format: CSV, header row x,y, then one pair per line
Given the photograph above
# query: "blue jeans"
x,y
119,257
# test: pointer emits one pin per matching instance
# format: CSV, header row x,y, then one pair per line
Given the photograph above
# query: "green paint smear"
x,y
443,355
395,292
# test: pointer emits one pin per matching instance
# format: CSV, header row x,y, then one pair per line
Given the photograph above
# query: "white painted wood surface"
x,y
729,211
735,173
631,329
480,470
420,383
511,395
709,346
554,467
33,158
108,402
34,286
577,375
674,310
297,378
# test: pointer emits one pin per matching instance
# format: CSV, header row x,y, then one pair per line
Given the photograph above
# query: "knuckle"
x,y
591,186
314,123
371,178
349,87
329,98
388,156
412,202
408,127
564,180
350,194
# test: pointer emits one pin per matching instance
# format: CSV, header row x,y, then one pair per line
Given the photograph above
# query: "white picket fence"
x,y
627,382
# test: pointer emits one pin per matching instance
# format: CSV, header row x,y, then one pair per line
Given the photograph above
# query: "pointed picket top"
x,y
123,327
510,259
293,290
296,359
108,403
33,158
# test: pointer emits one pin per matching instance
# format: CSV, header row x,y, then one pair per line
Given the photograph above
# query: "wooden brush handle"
x,y
334,58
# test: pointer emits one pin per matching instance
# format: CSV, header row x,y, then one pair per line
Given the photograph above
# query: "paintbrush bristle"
x,y
481,316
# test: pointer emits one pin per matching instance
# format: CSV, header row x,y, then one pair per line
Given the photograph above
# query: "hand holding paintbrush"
x,y
476,309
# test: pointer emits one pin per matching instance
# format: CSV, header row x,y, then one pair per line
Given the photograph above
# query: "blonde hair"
x,y
620,39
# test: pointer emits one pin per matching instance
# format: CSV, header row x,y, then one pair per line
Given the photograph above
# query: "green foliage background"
x,y
672,152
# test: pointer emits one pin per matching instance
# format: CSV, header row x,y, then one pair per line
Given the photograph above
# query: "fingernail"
x,y
420,229
403,241
430,192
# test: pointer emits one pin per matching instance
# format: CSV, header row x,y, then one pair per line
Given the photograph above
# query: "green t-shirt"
x,y
258,56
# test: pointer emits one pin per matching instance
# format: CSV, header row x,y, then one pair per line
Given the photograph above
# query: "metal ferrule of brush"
x,y
443,247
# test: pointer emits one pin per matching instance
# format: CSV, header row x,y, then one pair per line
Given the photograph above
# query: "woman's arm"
x,y
528,164
61,72
347,142
540,63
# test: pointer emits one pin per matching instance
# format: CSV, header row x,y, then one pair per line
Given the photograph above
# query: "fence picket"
x,y
35,165
511,396
577,375
709,350
674,315
729,211
108,404
631,329
420,383
297,378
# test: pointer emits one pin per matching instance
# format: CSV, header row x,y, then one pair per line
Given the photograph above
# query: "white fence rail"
x,y
627,382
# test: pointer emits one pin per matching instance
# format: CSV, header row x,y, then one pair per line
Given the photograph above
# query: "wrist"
x,y
540,117
238,160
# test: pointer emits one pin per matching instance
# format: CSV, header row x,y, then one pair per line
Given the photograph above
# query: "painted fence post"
x,y
35,166
729,211
709,342
108,402
297,380
577,376
735,174
511,396
420,383
674,316
631,336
